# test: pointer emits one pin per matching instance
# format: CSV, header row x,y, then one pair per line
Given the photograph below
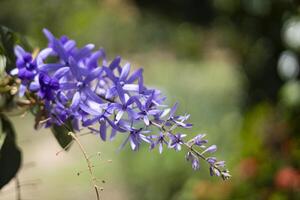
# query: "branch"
x,y
90,167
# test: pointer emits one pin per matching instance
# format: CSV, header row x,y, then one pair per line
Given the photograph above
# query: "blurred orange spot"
x,y
248,168
288,178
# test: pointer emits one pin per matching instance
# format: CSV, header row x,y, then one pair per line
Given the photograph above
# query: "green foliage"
x,y
10,155
61,134
8,40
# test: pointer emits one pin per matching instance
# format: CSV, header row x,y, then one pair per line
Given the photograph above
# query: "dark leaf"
x,y
8,40
10,155
61,134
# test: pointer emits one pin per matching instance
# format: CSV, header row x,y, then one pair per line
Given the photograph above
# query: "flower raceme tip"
x,y
80,85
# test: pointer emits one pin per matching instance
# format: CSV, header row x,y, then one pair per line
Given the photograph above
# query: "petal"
x,y
110,74
210,149
93,60
124,143
75,100
133,144
173,110
89,110
19,51
50,66
154,112
93,74
103,130
74,69
22,90
125,72
113,134
115,63
146,120
121,93
149,100
92,95
14,72
61,72
70,44
68,86
131,87
89,122
48,34
43,55
165,112
141,84
112,92
113,125
34,86
119,115
160,148
135,75
84,52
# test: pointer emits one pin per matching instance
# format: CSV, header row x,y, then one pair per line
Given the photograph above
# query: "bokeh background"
x,y
233,65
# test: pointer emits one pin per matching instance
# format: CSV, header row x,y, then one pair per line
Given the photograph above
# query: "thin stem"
x,y
89,164
189,147
18,189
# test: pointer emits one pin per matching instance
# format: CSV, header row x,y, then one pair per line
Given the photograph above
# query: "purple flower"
x,y
158,140
47,86
190,157
135,138
176,141
210,149
78,84
198,140
26,68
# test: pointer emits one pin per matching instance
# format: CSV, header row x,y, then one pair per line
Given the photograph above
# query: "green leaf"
x,y
8,40
10,155
61,134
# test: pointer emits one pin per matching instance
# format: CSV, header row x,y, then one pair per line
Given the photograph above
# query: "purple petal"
x,y
34,86
93,95
113,134
121,93
210,149
22,90
93,74
93,60
103,130
50,66
124,143
173,110
70,44
74,69
146,120
84,52
160,148
131,87
14,72
125,71
75,100
115,63
133,144
119,115
88,110
19,51
68,86
61,72
113,125
135,75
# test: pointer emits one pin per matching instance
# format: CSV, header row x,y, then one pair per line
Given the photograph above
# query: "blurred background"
x,y
233,65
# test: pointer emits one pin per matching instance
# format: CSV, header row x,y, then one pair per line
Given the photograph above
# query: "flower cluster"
x,y
80,85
